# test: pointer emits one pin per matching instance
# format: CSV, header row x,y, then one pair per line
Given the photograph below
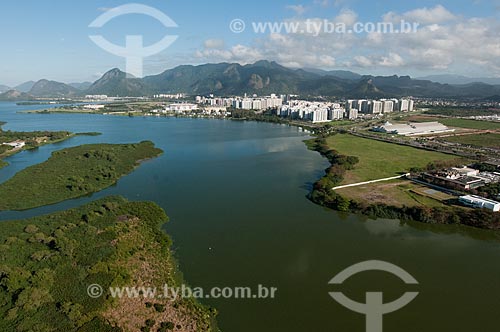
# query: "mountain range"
x,y
262,77
459,79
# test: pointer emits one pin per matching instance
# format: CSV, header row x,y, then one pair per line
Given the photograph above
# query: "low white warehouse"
x,y
480,202
413,128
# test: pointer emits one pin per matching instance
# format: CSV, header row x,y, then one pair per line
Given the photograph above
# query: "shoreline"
x,y
136,251
73,173
323,195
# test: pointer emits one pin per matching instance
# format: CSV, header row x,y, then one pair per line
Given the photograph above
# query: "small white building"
x,y
16,144
480,202
93,107
181,107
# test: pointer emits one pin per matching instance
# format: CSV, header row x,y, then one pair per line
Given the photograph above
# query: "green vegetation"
x,y
470,124
488,140
72,173
47,263
428,210
35,138
378,159
90,133
396,193
32,140
461,111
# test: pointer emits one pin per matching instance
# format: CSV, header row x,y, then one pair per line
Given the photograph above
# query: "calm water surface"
x,y
235,194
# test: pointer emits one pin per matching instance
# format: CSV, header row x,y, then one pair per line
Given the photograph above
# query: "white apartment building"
x,y
352,114
319,116
377,107
336,113
388,106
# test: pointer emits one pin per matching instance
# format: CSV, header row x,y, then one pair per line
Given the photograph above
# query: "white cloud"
x,y
298,9
445,41
214,43
438,14
347,17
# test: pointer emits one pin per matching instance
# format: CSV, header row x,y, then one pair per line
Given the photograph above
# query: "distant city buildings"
x,y
94,106
245,103
382,106
315,112
181,107
96,97
170,96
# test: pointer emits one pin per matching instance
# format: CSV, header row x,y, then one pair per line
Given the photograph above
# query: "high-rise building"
x,y
352,114
335,114
319,116
404,105
388,106
376,107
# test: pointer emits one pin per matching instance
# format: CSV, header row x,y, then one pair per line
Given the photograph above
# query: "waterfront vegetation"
x,y
72,173
378,159
47,263
425,206
488,140
32,140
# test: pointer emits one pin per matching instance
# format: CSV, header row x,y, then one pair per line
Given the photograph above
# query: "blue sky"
x,y
49,39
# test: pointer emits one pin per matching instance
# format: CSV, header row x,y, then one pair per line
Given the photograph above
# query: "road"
x,y
373,181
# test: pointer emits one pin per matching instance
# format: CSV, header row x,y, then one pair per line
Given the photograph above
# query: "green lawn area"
x,y
379,160
72,173
470,124
483,140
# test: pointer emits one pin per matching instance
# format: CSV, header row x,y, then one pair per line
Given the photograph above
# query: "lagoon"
x,y
235,193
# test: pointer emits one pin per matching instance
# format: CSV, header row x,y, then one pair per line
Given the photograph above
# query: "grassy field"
x,y
395,193
470,124
379,160
482,140
72,173
48,263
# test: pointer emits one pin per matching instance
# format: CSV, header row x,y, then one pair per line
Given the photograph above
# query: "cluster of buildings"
x,y
382,106
312,111
170,96
245,103
94,107
96,97
177,108
466,179
413,128
461,178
